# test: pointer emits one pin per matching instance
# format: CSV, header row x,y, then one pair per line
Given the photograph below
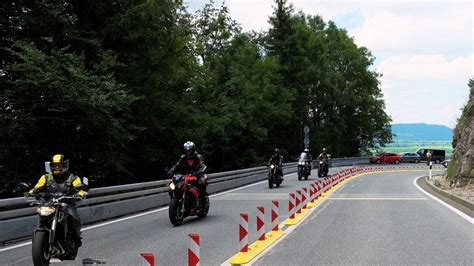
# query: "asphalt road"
x,y
374,219
121,243
380,219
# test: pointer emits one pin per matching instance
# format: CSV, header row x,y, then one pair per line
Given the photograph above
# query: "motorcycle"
x,y
53,237
273,177
303,169
185,200
323,168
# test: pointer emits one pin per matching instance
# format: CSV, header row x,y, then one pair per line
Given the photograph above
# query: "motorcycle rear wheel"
x,y
204,211
40,248
176,217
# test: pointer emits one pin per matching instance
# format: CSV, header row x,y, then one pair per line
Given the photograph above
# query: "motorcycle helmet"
x,y
189,148
59,165
306,150
277,152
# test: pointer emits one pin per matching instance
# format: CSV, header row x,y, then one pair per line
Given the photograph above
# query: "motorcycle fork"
x,y
53,227
183,203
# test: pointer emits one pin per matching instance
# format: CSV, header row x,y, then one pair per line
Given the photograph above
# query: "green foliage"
x,y
52,104
119,86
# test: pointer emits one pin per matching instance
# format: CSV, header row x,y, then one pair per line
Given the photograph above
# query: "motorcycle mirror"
x,y
23,186
47,167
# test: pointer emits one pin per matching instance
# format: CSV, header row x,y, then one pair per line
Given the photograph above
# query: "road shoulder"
x,y
461,205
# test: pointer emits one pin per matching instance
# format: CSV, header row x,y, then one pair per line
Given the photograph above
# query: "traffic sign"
x,y
306,129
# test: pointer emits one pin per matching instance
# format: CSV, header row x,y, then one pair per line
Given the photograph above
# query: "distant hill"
x,y
421,131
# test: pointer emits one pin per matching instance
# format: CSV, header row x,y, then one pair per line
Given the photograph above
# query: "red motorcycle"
x,y
185,199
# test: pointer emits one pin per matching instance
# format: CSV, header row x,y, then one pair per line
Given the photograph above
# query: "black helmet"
x,y
189,148
59,165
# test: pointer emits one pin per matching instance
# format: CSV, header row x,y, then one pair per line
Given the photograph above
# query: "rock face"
x,y
463,142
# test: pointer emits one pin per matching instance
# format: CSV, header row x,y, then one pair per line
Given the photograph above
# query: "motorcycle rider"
x,y
277,159
191,162
61,180
309,158
324,156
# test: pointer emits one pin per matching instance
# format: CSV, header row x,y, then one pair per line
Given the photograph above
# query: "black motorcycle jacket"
x,y
276,159
190,165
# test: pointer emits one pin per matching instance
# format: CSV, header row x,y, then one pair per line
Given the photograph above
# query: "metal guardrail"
x,y
18,218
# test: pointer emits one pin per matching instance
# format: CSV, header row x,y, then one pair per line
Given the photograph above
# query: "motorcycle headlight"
x,y
301,163
45,211
172,186
272,166
320,161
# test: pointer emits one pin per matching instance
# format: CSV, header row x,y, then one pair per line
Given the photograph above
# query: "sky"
x,y
424,49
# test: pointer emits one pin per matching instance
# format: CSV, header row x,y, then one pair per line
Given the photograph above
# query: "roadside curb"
x,y
461,204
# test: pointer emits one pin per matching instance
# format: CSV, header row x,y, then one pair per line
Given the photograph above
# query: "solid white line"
x,y
287,230
377,198
458,212
16,246
137,215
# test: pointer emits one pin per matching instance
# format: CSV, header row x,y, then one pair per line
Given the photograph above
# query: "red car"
x,y
386,157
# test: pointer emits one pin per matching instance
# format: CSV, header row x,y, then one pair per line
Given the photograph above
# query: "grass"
x,y
413,146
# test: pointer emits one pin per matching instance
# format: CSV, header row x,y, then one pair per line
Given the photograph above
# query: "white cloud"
x,y
424,48
432,66
442,30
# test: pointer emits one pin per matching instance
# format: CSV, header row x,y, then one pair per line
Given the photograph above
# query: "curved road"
x,y
375,218
379,219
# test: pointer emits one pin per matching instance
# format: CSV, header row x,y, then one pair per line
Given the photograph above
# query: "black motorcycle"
x,y
303,169
323,168
273,177
185,200
53,238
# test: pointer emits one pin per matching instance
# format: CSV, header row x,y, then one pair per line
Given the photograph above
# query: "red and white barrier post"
x,y
261,223
304,197
244,232
193,249
149,257
274,216
298,201
292,205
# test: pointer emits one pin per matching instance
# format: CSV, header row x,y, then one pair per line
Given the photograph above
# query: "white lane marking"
x,y
288,229
137,215
377,198
16,246
458,212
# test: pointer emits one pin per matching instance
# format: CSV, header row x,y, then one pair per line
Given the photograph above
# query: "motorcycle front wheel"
x,y
40,248
175,214
270,181
299,174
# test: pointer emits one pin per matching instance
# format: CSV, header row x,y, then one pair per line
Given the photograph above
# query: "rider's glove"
x,y
77,197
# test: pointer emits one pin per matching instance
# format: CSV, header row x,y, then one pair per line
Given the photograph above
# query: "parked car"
x,y
385,157
410,157
437,156
445,163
